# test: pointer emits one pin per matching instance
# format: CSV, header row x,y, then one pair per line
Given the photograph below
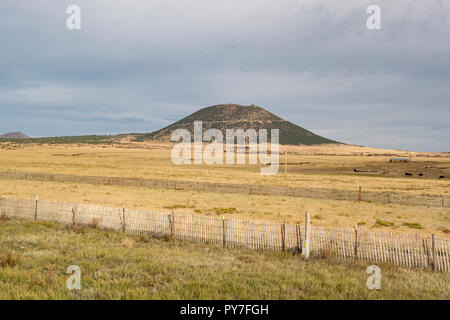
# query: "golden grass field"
x,y
313,166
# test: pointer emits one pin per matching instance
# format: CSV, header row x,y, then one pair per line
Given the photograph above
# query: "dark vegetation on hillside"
x,y
233,116
91,139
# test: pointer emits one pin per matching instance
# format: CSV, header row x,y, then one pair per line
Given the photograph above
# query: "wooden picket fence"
x,y
412,251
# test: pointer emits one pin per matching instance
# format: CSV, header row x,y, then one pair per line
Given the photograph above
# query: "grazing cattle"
x,y
354,170
420,174
441,177
408,174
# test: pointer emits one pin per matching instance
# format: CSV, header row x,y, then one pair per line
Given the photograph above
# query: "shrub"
x,y
224,210
383,223
94,223
325,253
9,259
414,225
444,230
178,206
3,218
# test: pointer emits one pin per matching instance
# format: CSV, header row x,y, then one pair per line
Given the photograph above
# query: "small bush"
x,y
361,223
9,259
383,223
144,238
3,218
94,223
80,229
178,206
414,225
326,253
318,217
224,210
444,230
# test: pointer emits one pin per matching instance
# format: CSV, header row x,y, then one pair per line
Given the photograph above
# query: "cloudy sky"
x,y
138,65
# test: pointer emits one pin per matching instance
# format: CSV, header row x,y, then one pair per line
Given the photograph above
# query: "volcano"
x,y
234,116
14,135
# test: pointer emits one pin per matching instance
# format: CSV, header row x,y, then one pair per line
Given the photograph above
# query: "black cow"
x,y
408,174
441,177
420,174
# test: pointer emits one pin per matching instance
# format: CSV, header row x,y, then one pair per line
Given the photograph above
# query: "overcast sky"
x,y
138,65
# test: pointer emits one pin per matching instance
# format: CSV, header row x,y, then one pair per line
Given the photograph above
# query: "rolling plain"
x,y
325,167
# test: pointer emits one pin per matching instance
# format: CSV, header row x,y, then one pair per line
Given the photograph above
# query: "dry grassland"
x,y
317,167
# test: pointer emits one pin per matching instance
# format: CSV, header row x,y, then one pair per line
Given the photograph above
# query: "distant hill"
x,y
234,116
14,135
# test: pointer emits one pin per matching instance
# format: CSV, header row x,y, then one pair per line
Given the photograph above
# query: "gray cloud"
x,y
138,65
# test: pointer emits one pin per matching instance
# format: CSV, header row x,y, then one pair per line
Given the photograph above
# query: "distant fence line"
x,y
412,251
253,189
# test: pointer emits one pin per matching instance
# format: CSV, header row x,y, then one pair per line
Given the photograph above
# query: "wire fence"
x,y
252,189
412,251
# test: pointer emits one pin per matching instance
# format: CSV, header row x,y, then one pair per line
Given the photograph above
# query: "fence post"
x,y
433,243
74,210
172,225
305,245
356,241
283,235
123,217
389,197
425,249
36,207
443,200
360,193
285,162
224,232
